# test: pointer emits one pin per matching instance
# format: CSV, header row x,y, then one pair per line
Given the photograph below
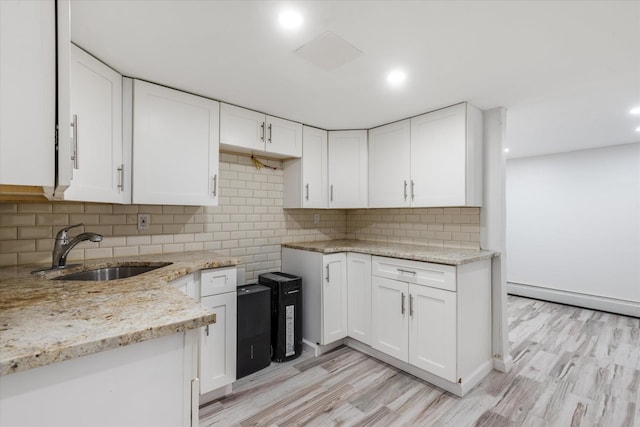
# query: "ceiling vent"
x,y
328,51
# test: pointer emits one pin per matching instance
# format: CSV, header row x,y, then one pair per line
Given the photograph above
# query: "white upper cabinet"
x,y
446,157
98,152
348,169
175,147
389,163
28,88
430,160
249,131
305,180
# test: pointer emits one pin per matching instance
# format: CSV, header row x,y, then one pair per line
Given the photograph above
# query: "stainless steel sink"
x,y
112,273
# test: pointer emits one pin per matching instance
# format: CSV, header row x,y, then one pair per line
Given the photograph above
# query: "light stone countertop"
x,y
396,250
43,321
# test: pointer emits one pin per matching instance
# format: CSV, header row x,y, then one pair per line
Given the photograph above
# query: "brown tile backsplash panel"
x,y
249,224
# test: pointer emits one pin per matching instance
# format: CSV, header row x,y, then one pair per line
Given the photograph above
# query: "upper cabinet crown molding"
x,y
100,173
253,132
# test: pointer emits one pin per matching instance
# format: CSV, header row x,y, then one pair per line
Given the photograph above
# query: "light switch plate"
x,y
316,218
143,221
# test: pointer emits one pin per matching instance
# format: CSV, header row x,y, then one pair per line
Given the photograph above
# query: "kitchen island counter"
x,y
43,321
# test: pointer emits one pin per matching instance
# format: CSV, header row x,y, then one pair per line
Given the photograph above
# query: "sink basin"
x,y
111,273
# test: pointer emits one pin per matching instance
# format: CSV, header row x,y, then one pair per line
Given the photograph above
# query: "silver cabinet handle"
x,y
262,127
307,189
214,184
402,303
270,132
331,196
121,177
401,271
327,267
410,305
74,153
405,190
412,192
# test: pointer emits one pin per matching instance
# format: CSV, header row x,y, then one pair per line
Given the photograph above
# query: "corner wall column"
x,y
493,230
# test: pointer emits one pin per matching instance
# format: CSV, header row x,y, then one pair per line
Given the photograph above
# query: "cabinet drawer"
x,y
422,273
217,281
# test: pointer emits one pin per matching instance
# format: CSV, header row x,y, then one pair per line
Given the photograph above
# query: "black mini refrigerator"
x,y
286,314
254,329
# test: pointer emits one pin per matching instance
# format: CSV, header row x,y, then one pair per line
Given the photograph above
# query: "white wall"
x,y
573,226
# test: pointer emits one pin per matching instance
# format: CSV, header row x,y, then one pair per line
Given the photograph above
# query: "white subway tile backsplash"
x,y
249,224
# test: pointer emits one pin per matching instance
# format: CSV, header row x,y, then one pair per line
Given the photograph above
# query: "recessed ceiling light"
x,y
396,77
635,110
638,129
506,150
290,19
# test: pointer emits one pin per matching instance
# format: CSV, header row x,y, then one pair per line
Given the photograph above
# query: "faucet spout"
x,y
63,246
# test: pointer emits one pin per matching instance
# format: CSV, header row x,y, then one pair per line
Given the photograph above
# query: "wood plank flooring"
x,y
572,367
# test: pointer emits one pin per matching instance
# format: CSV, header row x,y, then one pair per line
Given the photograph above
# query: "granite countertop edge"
x,y
437,255
44,321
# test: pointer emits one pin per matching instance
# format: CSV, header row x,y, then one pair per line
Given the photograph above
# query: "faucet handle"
x,y
62,234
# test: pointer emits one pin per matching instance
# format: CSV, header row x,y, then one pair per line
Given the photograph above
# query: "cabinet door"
x,y
334,298
348,180
28,88
359,296
284,137
438,157
175,147
389,163
390,317
432,331
187,285
96,106
218,343
314,168
242,128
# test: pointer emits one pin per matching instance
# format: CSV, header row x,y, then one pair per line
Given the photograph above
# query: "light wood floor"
x,y
572,367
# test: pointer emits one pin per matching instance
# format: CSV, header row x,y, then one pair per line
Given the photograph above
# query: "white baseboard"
x,y
317,349
503,364
612,305
458,389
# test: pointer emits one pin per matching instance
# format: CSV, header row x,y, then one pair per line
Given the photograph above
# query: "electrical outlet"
x,y
143,221
316,218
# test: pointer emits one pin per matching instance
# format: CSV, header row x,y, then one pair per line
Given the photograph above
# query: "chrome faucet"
x,y
63,245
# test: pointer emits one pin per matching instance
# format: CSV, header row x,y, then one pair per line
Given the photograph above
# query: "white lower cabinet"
x,y
324,293
215,349
359,296
218,340
434,317
218,343
390,326
432,330
431,320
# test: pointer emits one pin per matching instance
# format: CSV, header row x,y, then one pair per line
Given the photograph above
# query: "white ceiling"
x,y
568,72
